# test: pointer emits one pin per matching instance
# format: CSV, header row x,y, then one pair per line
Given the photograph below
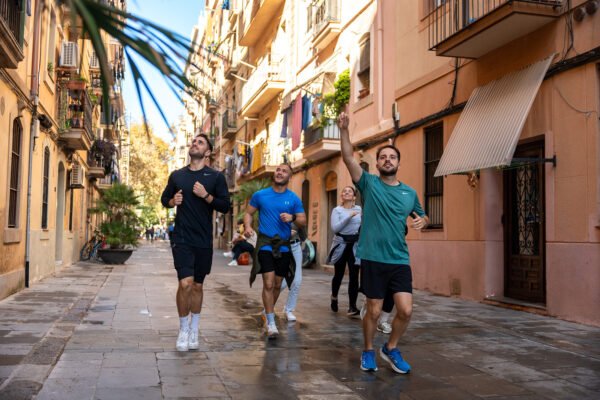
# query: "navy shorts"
x,y
376,279
268,263
192,261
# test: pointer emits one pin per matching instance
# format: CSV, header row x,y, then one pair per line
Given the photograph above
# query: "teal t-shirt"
x,y
385,209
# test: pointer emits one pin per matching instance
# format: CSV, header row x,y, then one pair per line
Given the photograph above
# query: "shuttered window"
x,y
434,187
15,169
45,183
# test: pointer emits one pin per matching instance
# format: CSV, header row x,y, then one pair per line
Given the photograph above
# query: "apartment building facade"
x,y
493,104
58,148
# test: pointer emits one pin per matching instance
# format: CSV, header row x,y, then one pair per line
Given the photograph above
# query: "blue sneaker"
x,y
367,361
394,357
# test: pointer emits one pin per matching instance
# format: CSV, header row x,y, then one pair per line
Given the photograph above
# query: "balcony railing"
x,y
324,12
256,17
266,72
314,134
229,122
75,117
11,13
450,17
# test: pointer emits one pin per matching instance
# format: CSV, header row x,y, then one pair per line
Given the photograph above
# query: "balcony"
x,y
326,24
229,123
231,69
96,169
74,116
11,51
473,28
262,164
105,183
267,81
257,15
321,142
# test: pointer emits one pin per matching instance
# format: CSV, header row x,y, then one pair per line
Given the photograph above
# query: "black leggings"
x,y
241,247
340,269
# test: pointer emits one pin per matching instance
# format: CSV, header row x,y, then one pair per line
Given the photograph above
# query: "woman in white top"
x,y
345,223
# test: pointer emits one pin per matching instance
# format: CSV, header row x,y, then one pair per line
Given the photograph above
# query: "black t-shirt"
x,y
193,222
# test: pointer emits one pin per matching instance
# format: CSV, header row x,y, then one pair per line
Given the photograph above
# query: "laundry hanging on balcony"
x,y
297,122
284,124
306,111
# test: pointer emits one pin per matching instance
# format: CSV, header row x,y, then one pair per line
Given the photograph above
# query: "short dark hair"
x,y
205,136
388,146
288,165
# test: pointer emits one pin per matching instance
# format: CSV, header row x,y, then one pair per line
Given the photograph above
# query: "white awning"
x,y
489,127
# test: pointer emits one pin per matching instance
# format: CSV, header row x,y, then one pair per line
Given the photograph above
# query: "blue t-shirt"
x,y
270,205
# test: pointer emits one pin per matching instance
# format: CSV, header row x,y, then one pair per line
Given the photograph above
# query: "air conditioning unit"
x,y
94,62
68,55
76,176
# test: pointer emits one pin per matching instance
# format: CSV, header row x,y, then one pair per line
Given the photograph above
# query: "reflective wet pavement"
x,y
108,332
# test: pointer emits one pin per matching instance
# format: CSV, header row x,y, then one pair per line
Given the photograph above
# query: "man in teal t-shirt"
x,y
385,265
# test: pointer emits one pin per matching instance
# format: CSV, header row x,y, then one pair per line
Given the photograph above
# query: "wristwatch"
x,y
293,217
206,196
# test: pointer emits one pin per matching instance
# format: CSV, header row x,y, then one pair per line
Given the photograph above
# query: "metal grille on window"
x,y
45,189
434,187
15,162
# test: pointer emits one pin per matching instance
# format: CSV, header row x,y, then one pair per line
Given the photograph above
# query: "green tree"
x,y
149,156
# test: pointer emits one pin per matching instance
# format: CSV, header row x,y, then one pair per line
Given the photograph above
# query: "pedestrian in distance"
x,y
382,248
298,236
196,190
278,207
345,224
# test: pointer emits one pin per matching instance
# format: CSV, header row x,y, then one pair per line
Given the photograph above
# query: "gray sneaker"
x,y
384,327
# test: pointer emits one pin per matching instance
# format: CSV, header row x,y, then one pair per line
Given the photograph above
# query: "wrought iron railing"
x,y
314,134
266,71
10,12
324,12
229,119
448,17
74,110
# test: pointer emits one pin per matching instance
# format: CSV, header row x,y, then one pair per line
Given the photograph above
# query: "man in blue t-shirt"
x,y
278,207
385,265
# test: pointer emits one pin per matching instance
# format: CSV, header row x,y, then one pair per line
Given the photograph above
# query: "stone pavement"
x,y
108,332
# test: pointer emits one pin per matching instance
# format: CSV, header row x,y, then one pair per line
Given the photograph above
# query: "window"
x,y
15,168
364,67
45,184
306,196
51,50
434,187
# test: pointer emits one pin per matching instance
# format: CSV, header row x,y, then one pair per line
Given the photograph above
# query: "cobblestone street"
x,y
108,332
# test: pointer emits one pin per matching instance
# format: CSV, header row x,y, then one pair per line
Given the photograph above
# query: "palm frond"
x,y
162,48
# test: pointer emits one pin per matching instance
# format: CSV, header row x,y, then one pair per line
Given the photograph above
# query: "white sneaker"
x,y
183,341
363,310
228,254
233,263
272,331
384,327
290,316
193,341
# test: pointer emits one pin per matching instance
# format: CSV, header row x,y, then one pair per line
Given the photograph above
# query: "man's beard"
x,y
383,172
284,183
197,156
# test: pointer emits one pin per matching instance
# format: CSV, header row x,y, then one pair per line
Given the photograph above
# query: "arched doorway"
x,y
60,212
331,194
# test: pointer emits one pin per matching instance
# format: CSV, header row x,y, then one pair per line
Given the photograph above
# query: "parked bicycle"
x,y
89,251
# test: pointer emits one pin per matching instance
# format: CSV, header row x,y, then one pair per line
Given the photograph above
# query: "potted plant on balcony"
x,y
334,103
77,84
103,151
120,225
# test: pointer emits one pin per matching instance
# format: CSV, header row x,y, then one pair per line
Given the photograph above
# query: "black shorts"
x,y
268,263
377,278
192,261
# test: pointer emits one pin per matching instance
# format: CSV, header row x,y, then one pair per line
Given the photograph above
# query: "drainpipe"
x,y
380,60
35,126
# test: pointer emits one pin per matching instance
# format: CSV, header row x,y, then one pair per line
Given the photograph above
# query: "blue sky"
x,y
179,16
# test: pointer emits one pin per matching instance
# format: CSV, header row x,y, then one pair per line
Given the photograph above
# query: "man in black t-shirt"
x,y
196,190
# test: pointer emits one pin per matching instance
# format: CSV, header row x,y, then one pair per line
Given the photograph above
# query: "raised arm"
x,y
248,217
347,150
